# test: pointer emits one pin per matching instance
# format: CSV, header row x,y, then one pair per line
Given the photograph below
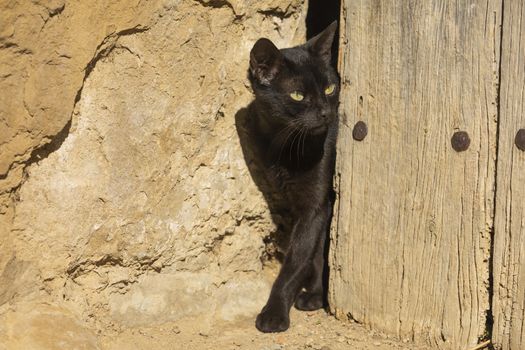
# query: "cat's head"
x,y
297,86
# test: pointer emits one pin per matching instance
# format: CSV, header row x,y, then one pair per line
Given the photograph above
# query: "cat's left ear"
x,y
321,44
265,61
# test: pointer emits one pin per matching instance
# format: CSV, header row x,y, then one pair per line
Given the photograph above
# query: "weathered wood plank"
x,y
509,239
411,235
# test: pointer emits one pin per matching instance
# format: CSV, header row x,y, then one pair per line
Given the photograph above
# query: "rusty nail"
x,y
520,139
360,131
460,141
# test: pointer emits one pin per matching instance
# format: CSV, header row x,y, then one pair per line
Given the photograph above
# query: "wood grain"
x,y
509,238
412,229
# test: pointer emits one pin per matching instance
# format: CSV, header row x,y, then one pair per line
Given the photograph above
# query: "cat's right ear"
x,y
265,61
321,44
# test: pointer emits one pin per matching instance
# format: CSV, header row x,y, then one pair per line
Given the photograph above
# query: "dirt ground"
x,y
309,330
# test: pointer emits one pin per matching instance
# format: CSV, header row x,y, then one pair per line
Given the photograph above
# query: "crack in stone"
x,y
56,11
220,4
104,49
55,142
276,12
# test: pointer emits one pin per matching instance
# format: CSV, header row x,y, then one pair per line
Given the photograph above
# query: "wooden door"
x,y
411,237
509,231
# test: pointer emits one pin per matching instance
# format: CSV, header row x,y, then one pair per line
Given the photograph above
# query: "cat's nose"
x,y
323,113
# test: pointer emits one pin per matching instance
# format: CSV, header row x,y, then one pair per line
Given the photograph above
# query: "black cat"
x,y
294,117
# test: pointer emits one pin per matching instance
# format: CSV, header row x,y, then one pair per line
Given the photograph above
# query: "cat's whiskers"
x,y
293,141
287,127
285,143
304,139
292,128
301,134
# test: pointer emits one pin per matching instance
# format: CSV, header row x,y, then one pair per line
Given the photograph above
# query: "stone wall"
x,y
124,194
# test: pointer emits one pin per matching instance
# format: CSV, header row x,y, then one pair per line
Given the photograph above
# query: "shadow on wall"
x,y
277,241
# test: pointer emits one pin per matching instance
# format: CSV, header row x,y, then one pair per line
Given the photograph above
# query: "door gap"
x,y
321,13
489,319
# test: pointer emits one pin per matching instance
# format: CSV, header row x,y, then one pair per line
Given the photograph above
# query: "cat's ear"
x,y
265,61
321,44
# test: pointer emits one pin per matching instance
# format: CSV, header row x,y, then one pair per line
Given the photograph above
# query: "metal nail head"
x,y
520,139
460,141
360,131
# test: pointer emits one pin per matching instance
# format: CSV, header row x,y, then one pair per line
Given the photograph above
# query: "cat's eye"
x,y
296,96
329,89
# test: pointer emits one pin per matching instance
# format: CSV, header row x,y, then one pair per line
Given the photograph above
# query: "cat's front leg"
x,y
306,234
313,297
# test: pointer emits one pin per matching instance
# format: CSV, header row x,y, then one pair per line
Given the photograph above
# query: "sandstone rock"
x,y
141,209
168,297
39,326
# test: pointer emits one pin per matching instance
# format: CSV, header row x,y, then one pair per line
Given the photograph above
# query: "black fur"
x,y
297,140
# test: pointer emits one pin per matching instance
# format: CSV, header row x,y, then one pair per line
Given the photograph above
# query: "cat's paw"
x,y
309,301
272,319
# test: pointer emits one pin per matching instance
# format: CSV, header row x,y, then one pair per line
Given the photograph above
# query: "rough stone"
x,y
125,196
40,326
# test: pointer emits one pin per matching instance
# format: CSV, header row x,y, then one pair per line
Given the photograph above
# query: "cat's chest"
x,y
283,177
300,187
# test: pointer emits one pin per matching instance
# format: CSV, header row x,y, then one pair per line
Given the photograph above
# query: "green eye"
x,y
330,89
297,96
